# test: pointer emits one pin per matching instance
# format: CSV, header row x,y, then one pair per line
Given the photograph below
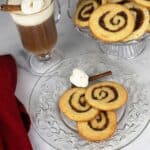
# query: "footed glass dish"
x,y
126,50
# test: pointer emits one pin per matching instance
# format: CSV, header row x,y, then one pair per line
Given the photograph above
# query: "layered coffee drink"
x,y
39,39
36,25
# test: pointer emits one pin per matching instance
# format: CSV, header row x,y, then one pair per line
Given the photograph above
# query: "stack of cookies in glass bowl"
x,y
119,25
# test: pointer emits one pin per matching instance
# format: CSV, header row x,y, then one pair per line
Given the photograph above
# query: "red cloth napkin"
x,y
14,120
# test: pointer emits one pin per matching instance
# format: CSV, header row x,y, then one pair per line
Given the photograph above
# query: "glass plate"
x,y
49,123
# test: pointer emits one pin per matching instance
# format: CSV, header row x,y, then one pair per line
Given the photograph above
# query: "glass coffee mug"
x,y
39,36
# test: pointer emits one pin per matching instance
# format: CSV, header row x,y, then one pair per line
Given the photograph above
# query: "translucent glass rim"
x,y
144,37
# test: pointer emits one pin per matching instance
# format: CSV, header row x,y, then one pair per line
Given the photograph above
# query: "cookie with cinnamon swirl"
x,y
145,3
148,29
141,17
73,104
119,1
101,2
100,128
111,22
106,95
83,12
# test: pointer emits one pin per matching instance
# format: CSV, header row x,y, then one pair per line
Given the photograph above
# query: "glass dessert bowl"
x,y
127,49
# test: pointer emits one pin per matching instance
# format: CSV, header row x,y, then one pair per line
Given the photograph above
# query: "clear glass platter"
x,y
54,129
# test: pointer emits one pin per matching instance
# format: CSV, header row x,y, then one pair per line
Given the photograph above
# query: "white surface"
x,y
71,43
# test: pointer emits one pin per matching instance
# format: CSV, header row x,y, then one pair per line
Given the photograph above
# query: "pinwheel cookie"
x,y
84,10
141,17
148,30
99,128
118,1
106,95
145,3
101,2
111,22
73,104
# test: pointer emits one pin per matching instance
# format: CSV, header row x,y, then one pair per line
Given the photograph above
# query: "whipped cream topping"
x,y
29,16
32,6
14,2
79,78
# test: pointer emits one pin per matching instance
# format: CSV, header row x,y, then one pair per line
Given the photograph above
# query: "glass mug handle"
x,y
57,11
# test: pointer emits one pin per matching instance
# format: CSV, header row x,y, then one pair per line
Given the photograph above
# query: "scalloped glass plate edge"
x,y
36,129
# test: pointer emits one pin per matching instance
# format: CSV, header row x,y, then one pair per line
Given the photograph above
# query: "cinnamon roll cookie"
x,y
101,2
141,17
99,128
75,107
118,1
106,95
111,22
83,12
148,29
145,3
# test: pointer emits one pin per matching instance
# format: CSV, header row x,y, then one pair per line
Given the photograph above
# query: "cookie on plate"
x,y
111,22
145,3
101,2
118,1
148,29
73,104
106,95
141,17
83,12
100,128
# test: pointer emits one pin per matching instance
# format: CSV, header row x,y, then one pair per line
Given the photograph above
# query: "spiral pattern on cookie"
x,y
145,3
74,105
100,127
83,12
100,122
101,2
106,95
79,104
119,1
111,22
141,17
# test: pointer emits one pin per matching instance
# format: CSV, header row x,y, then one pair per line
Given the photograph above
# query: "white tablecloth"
x,y
70,43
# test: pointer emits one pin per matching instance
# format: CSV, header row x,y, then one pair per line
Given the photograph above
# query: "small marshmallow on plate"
x,y
79,78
